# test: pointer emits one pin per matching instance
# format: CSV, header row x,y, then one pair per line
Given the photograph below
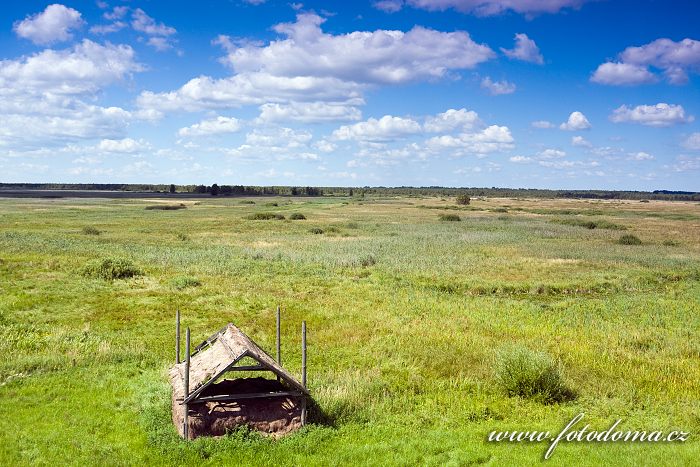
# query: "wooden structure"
x,y
208,401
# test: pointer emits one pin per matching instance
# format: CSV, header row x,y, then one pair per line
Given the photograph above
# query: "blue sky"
x,y
510,93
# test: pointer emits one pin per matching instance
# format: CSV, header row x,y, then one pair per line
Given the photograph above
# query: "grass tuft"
x,y
90,230
264,216
297,216
449,217
532,375
183,282
111,269
316,230
629,239
165,207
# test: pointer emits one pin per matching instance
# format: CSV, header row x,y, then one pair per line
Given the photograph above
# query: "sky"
x,y
560,94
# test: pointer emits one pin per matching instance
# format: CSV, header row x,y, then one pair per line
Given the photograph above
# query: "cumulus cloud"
x,y
126,146
386,128
483,7
577,121
491,139
216,126
278,138
450,120
160,35
381,56
308,112
43,95
659,115
673,59
497,87
542,124
525,49
54,24
692,142
580,141
78,70
551,154
640,156
520,159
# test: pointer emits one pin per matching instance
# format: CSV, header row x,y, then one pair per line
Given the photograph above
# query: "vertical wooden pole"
x,y
186,428
303,353
303,371
177,336
279,341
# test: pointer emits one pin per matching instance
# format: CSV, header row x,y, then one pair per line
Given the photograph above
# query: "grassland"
x,y
406,315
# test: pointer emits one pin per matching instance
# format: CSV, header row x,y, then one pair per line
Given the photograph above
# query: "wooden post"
x,y
185,428
279,341
177,336
303,372
303,353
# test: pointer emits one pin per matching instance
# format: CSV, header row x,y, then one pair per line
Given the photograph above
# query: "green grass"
x,y
406,317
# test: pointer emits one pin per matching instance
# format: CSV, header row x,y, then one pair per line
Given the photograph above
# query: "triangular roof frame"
x,y
220,353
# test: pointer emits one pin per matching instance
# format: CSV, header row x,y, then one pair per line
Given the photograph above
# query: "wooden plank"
x,y
186,427
303,353
252,395
249,368
177,336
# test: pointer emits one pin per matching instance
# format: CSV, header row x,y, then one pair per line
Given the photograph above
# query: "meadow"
x,y
407,313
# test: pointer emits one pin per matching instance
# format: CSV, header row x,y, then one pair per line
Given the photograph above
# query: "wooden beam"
x,y
279,341
177,336
249,368
252,395
303,353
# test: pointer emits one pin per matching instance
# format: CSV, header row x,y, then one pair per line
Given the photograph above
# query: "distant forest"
x,y
241,190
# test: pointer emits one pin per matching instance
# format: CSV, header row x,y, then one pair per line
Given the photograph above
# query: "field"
x,y
406,314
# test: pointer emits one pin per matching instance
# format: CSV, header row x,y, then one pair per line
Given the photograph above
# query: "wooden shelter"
x,y
208,401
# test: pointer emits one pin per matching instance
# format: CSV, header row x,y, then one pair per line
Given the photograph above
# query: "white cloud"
x,y
386,128
52,25
388,6
118,12
622,74
278,138
491,139
159,34
640,156
686,164
577,121
126,145
382,56
101,29
525,49
490,7
79,70
497,87
308,112
217,126
542,124
520,159
692,142
674,59
451,119
659,115
324,146
580,141
551,154
204,92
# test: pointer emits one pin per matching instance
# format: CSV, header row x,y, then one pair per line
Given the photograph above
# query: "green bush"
x,y
449,217
111,269
629,240
671,243
463,200
182,236
183,282
590,224
531,375
246,201
273,203
90,230
264,216
297,216
316,231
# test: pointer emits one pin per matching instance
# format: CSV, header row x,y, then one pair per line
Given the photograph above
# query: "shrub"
x,y
352,225
264,216
463,199
165,207
532,375
671,243
111,269
449,217
182,236
90,230
183,282
499,210
590,224
297,216
271,204
316,231
368,260
246,201
629,240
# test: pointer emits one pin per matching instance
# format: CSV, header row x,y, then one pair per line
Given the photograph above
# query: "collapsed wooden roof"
x,y
220,353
